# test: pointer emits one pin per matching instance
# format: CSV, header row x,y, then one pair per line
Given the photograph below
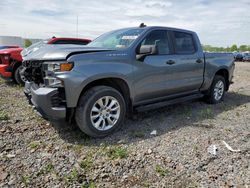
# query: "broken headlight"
x,y
50,68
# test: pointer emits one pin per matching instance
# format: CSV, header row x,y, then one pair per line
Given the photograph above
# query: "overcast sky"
x,y
218,22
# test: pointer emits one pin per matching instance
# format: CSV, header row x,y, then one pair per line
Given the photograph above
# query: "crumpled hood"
x,y
60,52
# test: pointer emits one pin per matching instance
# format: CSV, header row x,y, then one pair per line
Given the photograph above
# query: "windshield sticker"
x,y
132,37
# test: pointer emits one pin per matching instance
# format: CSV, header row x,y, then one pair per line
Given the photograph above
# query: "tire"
x,y
217,90
103,121
17,76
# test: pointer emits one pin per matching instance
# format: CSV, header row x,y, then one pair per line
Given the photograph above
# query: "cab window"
x,y
159,38
184,43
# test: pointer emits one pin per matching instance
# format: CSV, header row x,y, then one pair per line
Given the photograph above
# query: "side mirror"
x,y
146,50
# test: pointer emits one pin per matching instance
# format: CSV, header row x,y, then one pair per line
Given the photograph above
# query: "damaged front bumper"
x,y
5,72
45,101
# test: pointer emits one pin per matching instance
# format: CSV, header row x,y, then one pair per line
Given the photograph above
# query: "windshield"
x,y
117,39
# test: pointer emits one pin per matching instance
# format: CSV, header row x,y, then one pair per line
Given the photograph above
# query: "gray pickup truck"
x,y
123,71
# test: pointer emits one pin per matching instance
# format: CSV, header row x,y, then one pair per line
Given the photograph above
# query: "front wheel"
x,y
217,90
101,111
19,78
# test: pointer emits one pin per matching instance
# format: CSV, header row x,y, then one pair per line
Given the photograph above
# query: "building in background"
x,y
14,40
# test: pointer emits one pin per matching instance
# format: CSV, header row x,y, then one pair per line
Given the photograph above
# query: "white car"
x,y
246,56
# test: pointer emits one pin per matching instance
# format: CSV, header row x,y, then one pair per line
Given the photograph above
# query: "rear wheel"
x,y
217,90
18,76
101,111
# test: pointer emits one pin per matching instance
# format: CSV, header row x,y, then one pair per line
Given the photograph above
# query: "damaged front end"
x,y
44,90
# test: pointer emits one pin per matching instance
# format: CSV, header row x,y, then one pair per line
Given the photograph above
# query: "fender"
x,y
75,83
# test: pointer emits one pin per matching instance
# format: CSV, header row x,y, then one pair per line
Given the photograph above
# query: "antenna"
x,y
77,26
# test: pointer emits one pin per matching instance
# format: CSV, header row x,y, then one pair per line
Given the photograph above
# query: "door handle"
x,y
199,61
170,62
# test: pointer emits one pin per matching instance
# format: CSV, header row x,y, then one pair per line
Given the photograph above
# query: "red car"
x,y
11,59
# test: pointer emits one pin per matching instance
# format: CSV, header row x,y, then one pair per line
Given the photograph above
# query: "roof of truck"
x,y
160,27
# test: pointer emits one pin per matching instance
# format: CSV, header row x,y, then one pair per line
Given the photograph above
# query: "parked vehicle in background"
x,y
55,41
11,59
246,56
7,47
239,57
123,71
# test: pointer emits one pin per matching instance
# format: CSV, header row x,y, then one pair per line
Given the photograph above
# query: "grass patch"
x,y
75,176
45,170
72,177
25,180
115,152
3,116
206,113
87,163
185,111
34,145
161,171
88,185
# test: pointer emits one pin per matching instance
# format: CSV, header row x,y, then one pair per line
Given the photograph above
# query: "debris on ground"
x,y
154,132
212,149
230,148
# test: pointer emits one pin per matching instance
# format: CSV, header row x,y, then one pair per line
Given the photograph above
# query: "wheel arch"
x,y
225,74
15,64
115,82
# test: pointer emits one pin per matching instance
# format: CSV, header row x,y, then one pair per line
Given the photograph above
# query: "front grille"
x,y
33,71
32,64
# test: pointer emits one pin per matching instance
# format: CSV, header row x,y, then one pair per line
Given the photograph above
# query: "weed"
x,y
77,148
3,116
206,113
88,185
116,152
186,111
45,170
73,176
25,180
87,163
163,172
34,145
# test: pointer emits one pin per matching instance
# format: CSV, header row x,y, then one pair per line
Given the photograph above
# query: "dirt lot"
x,y
36,153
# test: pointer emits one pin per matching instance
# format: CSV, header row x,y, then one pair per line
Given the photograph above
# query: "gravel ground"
x,y
37,153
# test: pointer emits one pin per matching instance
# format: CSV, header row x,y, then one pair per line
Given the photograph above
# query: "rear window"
x,y
184,43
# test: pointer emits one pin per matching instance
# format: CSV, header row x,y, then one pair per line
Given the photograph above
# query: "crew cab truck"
x,y
11,58
123,71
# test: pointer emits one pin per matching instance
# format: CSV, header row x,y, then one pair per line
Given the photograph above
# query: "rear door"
x,y
188,67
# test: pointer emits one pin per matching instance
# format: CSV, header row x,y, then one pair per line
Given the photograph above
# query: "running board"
x,y
168,102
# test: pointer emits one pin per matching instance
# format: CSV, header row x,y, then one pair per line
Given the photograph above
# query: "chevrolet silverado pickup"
x,y
124,71
11,58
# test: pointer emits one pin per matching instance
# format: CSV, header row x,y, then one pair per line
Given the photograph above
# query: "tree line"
x,y
233,48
